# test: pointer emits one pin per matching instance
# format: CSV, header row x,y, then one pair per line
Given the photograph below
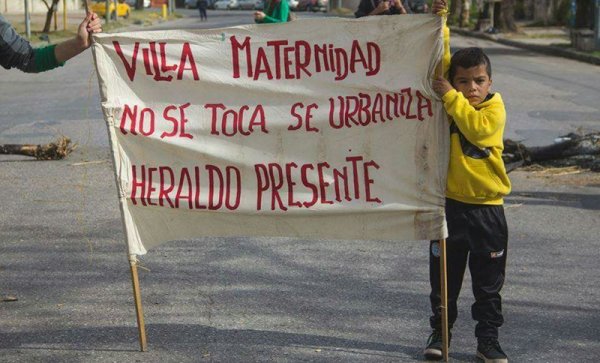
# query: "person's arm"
x,y
72,47
280,13
364,8
480,126
399,7
15,51
382,8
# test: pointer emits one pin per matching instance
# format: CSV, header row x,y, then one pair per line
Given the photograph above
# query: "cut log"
x,y
53,151
568,150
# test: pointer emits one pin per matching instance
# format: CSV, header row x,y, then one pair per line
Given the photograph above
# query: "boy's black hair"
x,y
467,58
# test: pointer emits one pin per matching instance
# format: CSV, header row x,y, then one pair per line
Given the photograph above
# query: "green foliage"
x,y
563,12
521,9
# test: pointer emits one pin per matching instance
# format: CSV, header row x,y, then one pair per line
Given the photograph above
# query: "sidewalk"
x,y
553,41
138,18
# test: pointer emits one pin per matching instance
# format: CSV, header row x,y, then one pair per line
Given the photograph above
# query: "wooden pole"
x,y
444,299
439,70
64,14
137,297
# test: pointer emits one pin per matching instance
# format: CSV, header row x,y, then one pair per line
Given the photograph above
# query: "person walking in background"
x,y
202,5
17,52
276,11
382,7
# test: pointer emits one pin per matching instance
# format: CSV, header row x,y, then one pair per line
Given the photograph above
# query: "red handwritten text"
x,y
364,109
230,122
280,59
283,186
155,61
138,120
211,187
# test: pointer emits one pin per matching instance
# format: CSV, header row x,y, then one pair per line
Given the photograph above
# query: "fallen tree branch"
x,y
569,150
53,151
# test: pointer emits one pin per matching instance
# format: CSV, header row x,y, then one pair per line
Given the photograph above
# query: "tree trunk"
x,y
506,17
545,11
455,11
49,15
528,9
465,14
584,17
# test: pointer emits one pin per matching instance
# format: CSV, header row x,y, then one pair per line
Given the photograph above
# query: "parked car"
x,y
226,4
293,4
246,4
132,3
123,10
259,5
312,5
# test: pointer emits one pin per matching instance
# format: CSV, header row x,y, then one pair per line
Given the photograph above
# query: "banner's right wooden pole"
x,y
137,297
439,70
444,299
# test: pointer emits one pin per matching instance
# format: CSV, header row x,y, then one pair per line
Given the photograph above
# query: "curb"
x,y
545,49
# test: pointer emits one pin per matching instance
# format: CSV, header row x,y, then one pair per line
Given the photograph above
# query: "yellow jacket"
x,y
476,172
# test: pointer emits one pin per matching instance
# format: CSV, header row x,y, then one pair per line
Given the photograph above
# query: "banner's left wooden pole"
x,y
137,297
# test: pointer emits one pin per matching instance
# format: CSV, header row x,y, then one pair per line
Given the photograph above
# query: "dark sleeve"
x,y
364,8
15,51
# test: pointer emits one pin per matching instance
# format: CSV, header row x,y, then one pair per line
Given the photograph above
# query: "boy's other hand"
x,y
441,86
438,5
259,16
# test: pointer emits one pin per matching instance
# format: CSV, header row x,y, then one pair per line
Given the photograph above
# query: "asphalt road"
x,y
63,255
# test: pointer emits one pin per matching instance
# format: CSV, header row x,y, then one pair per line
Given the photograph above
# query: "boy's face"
x,y
474,83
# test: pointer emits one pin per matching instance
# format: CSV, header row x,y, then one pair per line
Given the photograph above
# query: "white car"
x,y
246,4
132,3
293,4
226,4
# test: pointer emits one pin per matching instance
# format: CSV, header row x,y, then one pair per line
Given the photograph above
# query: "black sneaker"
x,y
488,350
433,351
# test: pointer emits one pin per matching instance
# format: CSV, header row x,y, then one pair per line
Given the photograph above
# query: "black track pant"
x,y
477,234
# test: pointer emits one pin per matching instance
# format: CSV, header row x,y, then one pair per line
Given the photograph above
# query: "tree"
x,y
454,8
465,14
506,18
584,17
51,9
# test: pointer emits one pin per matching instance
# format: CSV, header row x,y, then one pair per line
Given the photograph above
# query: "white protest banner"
x,y
320,129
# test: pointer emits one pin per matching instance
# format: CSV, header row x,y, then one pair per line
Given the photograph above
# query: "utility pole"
x,y
27,20
64,14
597,23
107,11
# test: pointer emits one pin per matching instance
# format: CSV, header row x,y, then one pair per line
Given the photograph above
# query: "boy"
x,y
477,183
